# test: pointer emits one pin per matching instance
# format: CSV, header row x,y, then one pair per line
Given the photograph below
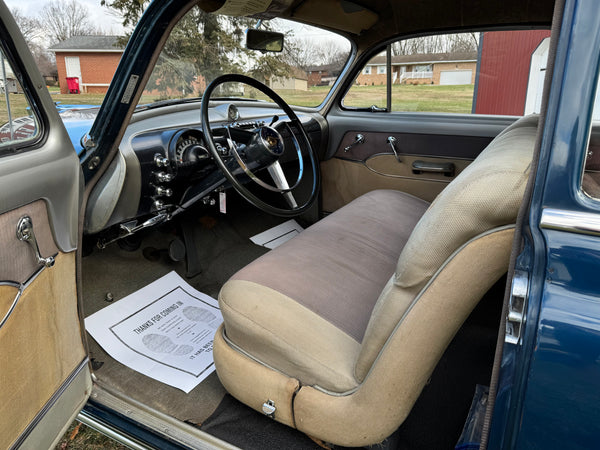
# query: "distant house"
x,y
10,83
430,68
92,59
298,81
323,75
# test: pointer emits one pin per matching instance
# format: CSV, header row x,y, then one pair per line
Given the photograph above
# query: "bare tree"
x,y
440,43
305,52
33,33
29,26
63,19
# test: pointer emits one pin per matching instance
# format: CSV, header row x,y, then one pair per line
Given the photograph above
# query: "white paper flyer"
x,y
164,330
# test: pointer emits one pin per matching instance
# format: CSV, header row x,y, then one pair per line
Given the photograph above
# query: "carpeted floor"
x,y
223,246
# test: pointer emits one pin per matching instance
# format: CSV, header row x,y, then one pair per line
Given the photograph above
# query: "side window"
x,y
17,120
496,72
590,182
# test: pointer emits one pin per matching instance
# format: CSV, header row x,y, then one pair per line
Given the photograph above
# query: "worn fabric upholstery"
x,y
319,281
328,259
360,331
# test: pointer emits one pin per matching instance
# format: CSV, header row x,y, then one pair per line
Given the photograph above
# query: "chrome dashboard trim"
x,y
571,221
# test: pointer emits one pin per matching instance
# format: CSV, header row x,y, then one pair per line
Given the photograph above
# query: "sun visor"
x,y
337,14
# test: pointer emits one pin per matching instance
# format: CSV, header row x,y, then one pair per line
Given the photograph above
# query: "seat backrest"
x,y
481,202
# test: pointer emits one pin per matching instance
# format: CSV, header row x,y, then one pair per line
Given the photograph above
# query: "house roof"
x,y
324,68
89,44
299,74
425,58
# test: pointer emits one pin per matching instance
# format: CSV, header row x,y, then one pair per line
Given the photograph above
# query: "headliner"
x,y
371,22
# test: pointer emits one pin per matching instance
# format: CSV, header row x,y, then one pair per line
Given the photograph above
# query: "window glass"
x,y
590,183
499,72
203,46
17,121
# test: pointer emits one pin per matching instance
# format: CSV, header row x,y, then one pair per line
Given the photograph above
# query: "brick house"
x,y
323,75
432,68
92,59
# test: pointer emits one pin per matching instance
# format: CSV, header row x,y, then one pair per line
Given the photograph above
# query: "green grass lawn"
x,y
426,98
455,99
81,437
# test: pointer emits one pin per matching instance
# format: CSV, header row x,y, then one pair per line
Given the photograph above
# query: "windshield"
x,y
203,46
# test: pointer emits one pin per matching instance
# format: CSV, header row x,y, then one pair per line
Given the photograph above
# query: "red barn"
x,y
510,72
92,59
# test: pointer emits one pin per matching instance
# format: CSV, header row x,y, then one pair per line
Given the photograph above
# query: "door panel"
x,y
344,180
44,378
430,140
40,345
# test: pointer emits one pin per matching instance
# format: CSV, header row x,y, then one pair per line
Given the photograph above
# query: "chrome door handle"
x,y
515,320
25,233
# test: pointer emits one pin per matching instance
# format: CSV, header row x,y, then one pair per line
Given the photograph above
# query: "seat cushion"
x,y
304,307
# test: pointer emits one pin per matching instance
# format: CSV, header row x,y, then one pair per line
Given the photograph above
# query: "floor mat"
x,y
240,425
114,273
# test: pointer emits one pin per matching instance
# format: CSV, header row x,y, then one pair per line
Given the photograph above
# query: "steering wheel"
x,y
264,147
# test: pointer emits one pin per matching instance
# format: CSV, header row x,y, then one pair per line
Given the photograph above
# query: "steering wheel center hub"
x,y
271,141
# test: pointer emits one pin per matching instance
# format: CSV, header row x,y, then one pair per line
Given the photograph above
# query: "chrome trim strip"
x,y
50,403
21,287
570,221
108,430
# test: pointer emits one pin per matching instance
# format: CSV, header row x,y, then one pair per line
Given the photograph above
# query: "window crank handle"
x,y
359,139
25,233
392,141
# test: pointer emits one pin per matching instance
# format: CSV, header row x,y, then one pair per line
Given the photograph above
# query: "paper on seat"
x,y
276,236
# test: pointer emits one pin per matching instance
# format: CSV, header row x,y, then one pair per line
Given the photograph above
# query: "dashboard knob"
x,y
223,151
161,191
163,177
157,205
160,160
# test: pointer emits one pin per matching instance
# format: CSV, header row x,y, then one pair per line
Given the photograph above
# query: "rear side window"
x,y
590,181
498,73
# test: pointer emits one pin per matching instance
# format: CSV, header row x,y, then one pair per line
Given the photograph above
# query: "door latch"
x,y
25,233
517,305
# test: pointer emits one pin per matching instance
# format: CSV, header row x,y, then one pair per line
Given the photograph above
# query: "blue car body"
x,y
78,120
549,391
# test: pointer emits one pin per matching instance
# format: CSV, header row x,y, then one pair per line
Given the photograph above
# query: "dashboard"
x,y
164,165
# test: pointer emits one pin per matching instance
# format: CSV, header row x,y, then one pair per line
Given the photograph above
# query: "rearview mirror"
x,y
265,41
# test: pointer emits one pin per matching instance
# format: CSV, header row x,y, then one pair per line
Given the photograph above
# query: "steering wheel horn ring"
x,y
265,147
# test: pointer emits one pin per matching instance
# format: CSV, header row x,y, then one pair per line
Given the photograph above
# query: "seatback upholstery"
x,y
484,197
457,249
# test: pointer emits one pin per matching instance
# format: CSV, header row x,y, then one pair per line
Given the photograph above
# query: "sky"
x,y
100,14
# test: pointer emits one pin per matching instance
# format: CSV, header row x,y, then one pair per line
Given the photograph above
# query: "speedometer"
x,y
189,150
